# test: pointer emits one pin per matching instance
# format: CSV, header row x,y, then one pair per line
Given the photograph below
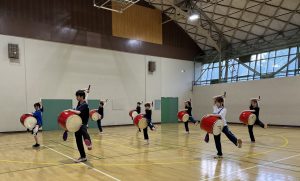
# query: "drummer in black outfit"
x,y
255,107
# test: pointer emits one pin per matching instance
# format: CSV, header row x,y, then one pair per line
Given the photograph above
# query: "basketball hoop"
x,y
118,6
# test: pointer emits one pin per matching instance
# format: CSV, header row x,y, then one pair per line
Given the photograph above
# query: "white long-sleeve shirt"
x,y
222,112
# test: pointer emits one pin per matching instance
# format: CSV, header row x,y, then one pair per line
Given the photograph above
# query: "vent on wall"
x,y
13,53
151,66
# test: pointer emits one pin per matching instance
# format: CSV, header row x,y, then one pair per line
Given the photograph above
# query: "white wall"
x,y
280,102
55,71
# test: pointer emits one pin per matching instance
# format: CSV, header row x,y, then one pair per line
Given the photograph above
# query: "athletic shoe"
x,y
239,143
206,138
36,145
80,160
218,157
65,136
88,144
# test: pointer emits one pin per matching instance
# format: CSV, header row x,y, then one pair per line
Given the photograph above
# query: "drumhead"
x,y
95,116
218,127
134,114
185,117
73,123
143,123
30,122
251,119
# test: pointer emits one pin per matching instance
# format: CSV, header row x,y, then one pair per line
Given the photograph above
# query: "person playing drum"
x,y
138,110
188,109
255,107
101,113
148,116
82,110
220,110
38,116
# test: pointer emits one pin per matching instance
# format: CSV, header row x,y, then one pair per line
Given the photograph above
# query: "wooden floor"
x,y
120,154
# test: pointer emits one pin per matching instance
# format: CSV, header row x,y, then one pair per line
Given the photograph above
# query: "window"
x,y
264,63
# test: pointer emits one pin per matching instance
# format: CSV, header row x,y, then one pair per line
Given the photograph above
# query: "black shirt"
x,y
101,112
138,109
148,114
256,111
84,112
188,110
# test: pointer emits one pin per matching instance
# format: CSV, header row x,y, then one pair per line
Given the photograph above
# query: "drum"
x,y
247,117
133,114
94,115
212,124
28,121
183,116
140,121
69,121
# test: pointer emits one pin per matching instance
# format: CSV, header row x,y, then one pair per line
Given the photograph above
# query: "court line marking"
x,y
96,170
286,142
248,168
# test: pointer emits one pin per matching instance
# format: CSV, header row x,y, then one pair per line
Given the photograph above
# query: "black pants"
x,y
99,125
150,124
82,133
186,124
145,131
229,135
250,128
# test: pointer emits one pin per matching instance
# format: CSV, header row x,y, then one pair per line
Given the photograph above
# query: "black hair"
x,y
139,103
254,100
189,103
80,93
147,105
37,105
220,100
102,103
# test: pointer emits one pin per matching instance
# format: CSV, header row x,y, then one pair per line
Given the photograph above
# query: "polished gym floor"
x,y
121,154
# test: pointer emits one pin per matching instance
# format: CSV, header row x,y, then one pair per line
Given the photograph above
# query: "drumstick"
x,y
88,90
87,93
224,94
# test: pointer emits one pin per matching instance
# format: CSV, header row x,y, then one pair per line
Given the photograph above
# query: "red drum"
x,y
183,116
140,121
247,117
94,115
28,121
133,114
69,121
212,124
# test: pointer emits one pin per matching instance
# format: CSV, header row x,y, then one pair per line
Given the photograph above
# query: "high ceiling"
x,y
230,24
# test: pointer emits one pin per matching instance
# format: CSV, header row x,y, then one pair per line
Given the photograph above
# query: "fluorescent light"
x,y
194,17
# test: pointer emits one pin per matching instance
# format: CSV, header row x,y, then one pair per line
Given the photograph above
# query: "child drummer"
x,y
220,110
254,106
188,109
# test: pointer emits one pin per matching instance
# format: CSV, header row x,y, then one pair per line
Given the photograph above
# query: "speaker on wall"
x,y
151,66
13,52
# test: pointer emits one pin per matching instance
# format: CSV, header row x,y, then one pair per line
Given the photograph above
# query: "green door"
x,y
93,104
52,109
169,109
